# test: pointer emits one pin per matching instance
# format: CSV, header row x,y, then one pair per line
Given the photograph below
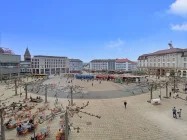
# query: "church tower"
x,y
27,55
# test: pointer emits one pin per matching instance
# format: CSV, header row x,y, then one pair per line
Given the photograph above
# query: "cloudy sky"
x,y
90,29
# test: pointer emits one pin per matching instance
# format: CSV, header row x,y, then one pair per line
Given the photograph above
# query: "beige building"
x,y
49,64
164,61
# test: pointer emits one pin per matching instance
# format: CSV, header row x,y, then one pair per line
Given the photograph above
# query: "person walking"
x,y
125,104
92,84
179,112
174,113
170,94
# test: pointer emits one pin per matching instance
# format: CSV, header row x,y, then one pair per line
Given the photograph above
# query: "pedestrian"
x,y
179,112
92,84
170,94
20,94
174,113
125,104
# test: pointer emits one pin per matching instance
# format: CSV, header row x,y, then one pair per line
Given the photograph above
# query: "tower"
x,y
27,55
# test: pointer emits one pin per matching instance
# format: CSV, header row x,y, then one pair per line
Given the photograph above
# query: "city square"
x,y
140,120
93,70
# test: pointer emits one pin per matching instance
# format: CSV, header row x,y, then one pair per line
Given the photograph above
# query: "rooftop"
x,y
50,56
102,60
166,51
75,60
123,60
27,53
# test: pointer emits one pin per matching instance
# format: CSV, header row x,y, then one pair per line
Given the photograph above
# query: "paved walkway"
x,y
140,121
105,90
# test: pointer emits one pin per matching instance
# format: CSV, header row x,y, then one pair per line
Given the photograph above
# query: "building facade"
x,y
125,65
75,65
112,64
49,64
164,61
9,63
25,66
102,64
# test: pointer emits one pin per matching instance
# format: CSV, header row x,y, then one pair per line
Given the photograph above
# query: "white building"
x,y
164,61
102,64
75,65
49,64
112,64
125,65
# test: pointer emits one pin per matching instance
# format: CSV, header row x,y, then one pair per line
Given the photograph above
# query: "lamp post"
x,y
174,86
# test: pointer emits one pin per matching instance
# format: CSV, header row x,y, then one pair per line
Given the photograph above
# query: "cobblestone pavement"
x,y
140,121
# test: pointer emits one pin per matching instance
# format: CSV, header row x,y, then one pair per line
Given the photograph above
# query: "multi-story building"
x,y
9,63
49,64
102,64
75,65
164,61
25,66
112,64
125,65
86,66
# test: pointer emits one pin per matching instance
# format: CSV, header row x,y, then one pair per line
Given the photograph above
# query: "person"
x,y
31,98
31,121
19,129
125,104
7,124
20,94
174,113
179,112
92,84
13,105
20,107
170,94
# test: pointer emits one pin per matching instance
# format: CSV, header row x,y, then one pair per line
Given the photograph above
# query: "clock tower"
x,y
27,55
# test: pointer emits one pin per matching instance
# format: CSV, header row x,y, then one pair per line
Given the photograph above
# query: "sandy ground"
x,y
140,121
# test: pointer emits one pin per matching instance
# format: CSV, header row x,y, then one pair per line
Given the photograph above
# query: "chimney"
x,y
170,45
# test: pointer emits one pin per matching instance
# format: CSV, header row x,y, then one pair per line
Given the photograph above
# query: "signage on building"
x,y
7,51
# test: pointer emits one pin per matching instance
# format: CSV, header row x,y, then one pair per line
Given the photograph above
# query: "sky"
x,y
92,29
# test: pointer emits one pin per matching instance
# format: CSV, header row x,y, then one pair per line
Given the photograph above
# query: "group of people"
x,y
175,112
20,128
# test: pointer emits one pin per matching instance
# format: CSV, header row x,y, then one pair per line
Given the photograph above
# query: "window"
x,y
159,64
168,64
163,65
184,58
184,65
173,59
163,60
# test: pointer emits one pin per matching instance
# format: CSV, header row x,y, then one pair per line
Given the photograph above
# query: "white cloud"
x,y
115,44
177,27
179,7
